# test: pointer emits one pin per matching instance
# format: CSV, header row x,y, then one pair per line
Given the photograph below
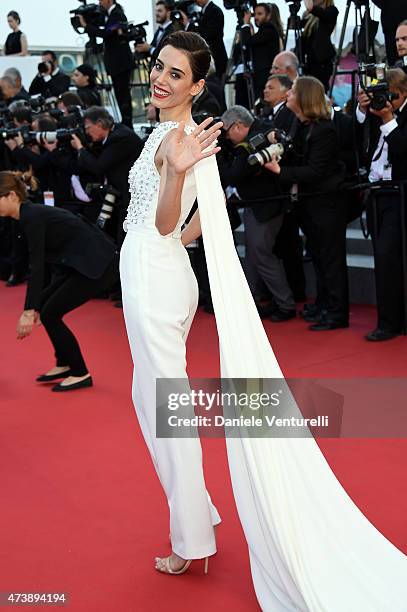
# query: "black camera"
x,y
264,151
373,82
187,7
45,68
380,95
92,13
61,136
135,32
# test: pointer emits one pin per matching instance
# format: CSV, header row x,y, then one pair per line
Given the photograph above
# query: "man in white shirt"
x,y
386,162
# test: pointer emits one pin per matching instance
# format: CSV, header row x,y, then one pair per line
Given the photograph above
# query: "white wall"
x,y
46,22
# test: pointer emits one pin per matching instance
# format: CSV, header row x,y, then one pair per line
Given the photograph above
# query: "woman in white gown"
x,y
310,547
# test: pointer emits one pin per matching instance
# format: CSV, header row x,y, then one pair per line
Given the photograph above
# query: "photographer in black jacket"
x,y
50,80
120,149
317,176
385,156
262,220
264,44
117,55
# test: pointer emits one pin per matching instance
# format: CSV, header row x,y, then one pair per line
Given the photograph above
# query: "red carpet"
x,y
82,511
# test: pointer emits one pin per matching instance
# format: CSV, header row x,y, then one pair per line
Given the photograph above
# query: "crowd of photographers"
x,y
290,166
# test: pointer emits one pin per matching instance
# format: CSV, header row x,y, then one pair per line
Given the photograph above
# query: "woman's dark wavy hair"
x,y
196,49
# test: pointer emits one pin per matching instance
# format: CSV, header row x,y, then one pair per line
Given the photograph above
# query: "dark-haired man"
x,y
393,13
264,44
165,28
50,80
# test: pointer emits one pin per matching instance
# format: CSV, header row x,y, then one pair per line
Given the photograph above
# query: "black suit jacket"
x,y
252,182
319,170
211,29
56,236
318,46
116,55
118,154
157,47
57,85
264,45
283,119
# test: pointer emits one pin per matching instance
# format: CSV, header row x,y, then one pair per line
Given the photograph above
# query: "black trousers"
x,y
323,221
288,247
63,295
121,86
384,224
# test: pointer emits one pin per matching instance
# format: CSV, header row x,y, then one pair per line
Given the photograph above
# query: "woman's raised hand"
x,y
184,150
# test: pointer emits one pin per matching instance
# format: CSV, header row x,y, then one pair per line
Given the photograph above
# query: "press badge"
x,y
49,198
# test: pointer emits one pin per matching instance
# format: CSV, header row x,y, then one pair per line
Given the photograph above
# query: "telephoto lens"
x,y
109,203
266,155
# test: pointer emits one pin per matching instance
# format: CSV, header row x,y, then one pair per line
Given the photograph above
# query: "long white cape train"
x,y
311,548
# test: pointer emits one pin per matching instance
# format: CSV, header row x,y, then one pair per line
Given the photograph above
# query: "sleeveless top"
x,y
13,43
144,184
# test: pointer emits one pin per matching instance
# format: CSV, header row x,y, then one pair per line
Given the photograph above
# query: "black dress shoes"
x,y
82,384
379,335
328,324
52,377
279,315
14,280
265,310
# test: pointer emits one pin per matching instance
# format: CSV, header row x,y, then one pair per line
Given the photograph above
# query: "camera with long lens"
x,y
92,13
373,82
263,151
109,196
188,7
61,136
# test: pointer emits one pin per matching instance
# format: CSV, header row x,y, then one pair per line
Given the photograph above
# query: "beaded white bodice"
x,y
144,183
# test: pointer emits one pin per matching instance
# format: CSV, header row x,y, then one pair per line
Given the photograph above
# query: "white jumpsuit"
x,y
160,296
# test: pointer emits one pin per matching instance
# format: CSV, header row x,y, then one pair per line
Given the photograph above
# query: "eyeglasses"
x,y
229,128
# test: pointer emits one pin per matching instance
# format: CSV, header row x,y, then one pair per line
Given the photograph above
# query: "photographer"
x,y
317,177
211,25
319,23
50,80
84,79
116,55
264,44
262,220
120,149
51,163
386,160
393,13
165,28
